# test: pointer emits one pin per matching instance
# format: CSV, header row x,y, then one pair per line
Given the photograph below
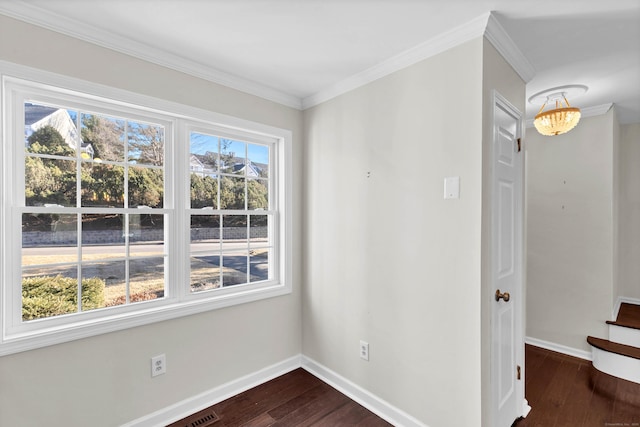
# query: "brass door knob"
x,y
504,296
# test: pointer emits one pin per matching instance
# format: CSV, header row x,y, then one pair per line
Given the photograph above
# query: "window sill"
x,y
24,341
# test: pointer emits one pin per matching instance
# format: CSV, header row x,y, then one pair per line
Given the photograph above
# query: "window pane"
x,y
146,143
232,193
146,235
234,268
49,238
203,150
257,194
112,276
205,272
205,249
259,263
102,185
47,294
258,156
233,157
146,279
146,187
93,293
102,138
103,237
49,181
234,231
259,230
205,233
204,191
50,130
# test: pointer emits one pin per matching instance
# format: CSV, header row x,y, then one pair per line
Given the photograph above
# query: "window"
x,y
230,217
122,210
93,218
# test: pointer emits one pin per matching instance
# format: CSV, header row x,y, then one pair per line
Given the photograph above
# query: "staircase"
x,y
620,354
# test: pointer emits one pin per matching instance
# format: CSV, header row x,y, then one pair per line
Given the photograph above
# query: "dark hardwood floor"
x,y
294,399
566,391
563,391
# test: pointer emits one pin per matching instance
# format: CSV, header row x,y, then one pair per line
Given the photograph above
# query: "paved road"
x,y
238,261
119,249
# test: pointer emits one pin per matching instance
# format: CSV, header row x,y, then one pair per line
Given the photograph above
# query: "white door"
x,y
507,295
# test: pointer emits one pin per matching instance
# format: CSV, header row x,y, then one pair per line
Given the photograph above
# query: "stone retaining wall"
x,y
114,237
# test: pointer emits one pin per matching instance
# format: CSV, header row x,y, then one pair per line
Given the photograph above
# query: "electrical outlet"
x,y
364,350
158,365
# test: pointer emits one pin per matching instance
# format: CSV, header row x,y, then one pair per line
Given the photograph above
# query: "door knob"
x,y
504,296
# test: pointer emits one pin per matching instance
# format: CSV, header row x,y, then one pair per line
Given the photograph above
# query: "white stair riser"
x,y
614,364
622,335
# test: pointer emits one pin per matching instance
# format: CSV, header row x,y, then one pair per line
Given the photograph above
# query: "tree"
x,y
49,180
232,194
102,185
47,140
105,135
39,181
145,187
257,197
227,158
204,191
146,144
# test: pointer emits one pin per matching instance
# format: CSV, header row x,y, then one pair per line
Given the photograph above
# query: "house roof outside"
x,y
202,163
38,116
33,113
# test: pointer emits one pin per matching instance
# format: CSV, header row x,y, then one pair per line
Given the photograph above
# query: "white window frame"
x,y
18,81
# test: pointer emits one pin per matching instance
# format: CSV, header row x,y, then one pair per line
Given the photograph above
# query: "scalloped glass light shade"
x,y
558,121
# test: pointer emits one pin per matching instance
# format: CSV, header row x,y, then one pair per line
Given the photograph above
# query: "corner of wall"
x,y
615,131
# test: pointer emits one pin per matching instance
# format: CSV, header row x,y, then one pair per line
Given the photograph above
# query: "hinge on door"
x,y
518,372
519,145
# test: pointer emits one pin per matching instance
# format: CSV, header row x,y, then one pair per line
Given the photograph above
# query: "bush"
x,y
47,296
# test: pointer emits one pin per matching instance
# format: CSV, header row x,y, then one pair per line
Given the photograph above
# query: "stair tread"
x,y
614,347
628,316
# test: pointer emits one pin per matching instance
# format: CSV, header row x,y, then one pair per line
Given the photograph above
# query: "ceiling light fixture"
x,y
561,119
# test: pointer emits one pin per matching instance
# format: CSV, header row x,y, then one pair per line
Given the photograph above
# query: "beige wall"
x,y
629,212
571,232
104,380
386,258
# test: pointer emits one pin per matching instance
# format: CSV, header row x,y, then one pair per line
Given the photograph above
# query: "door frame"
x,y
499,101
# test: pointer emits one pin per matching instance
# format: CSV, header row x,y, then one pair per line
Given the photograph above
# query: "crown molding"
x,y
596,110
500,39
454,37
485,25
23,11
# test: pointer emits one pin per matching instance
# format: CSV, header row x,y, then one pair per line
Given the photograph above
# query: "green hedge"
x,y
47,296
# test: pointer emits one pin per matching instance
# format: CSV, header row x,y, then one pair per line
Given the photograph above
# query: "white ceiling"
x,y
292,51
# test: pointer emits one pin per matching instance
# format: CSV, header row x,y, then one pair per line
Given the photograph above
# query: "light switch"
x,y
452,187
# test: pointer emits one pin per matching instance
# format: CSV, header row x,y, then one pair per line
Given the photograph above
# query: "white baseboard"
x,y
203,400
373,403
559,348
525,408
619,301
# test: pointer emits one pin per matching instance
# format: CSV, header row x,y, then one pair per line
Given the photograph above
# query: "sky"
x,y
201,143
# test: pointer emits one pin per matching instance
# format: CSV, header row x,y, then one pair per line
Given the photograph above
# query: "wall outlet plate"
x,y
158,365
364,350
